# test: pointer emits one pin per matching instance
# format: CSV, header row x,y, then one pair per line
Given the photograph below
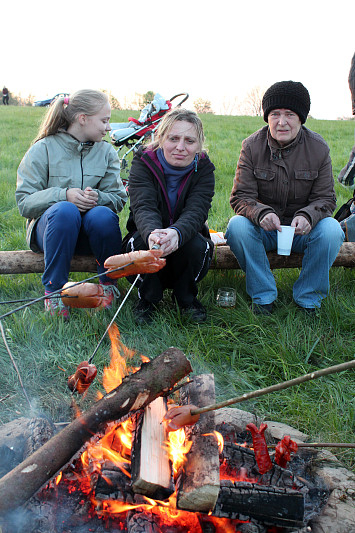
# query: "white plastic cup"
x,y
226,297
284,240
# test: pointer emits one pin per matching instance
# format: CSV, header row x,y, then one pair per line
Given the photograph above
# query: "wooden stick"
x,y
279,386
314,445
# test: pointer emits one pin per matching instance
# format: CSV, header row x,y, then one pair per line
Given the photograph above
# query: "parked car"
x,y
48,101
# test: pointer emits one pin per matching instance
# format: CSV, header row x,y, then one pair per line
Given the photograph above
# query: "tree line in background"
x,y
250,105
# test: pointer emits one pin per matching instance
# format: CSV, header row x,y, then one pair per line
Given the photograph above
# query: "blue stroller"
x,y
128,136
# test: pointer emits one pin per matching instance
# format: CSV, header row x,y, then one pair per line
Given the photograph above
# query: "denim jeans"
x,y
63,231
249,243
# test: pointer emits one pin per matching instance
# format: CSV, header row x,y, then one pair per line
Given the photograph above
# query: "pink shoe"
x,y
55,307
111,293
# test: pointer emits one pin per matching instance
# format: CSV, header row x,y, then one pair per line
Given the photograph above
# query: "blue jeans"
x,y
63,231
249,243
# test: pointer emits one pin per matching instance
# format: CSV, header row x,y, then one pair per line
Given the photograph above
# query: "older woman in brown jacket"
x,y
284,176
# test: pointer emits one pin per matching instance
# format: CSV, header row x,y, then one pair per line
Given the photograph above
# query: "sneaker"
x,y
308,310
262,309
55,306
111,293
143,311
195,311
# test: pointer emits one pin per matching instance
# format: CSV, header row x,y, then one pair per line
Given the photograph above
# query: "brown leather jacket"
x,y
290,181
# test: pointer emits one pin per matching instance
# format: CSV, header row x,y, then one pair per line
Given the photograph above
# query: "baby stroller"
x,y
128,137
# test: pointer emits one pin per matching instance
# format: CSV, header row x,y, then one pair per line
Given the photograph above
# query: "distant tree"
x,y
203,106
253,102
17,99
231,106
114,103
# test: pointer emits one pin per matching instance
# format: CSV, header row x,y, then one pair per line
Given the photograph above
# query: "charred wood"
x,y
270,505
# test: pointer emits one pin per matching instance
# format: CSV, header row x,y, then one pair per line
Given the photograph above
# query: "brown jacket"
x,y
290,181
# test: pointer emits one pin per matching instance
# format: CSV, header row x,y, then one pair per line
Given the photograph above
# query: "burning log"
x,y
150,468
199,483
135,392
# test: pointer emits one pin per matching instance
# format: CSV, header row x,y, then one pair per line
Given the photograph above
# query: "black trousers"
x,y
184,269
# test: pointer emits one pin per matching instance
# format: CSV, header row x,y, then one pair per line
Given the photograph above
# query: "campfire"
x,y
132,475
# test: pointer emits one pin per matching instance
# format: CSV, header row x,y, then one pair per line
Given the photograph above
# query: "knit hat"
x,y
287,95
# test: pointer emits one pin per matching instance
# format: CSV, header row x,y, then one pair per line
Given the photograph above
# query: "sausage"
x,y
283,451
83,377
260,447
143,262
178,417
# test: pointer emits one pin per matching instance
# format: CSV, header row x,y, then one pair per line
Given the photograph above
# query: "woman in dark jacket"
x,y
171,185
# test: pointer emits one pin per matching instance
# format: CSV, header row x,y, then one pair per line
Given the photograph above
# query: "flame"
x,y
178,448
58,478
219,438
114,374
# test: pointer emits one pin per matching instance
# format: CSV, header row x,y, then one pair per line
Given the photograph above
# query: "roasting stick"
x,y
177,417
14,364
46,296
114,317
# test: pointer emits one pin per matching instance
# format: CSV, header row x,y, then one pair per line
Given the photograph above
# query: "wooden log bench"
x,y
26,261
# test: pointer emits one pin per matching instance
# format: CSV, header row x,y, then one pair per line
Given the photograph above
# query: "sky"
x,y
215,50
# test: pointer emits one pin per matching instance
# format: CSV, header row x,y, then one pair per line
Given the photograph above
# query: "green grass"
x,y
243,351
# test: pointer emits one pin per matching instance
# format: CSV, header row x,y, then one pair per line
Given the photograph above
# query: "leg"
x,y
57,232
102,231
249,244
187,266
320,247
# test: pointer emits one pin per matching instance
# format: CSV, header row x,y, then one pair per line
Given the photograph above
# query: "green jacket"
x,y
59,162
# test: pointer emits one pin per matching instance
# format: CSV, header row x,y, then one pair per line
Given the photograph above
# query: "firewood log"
x,y
135,392
199,485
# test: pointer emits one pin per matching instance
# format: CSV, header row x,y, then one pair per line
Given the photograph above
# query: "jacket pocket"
x,y
304,182
265,180
93,176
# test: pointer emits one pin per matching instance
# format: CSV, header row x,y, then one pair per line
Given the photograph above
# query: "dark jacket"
x,y
149,202
352,82
290,181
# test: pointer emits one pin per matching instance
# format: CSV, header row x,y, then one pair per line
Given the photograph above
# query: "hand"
x,y
167,238
301,225
90,194
270,222
78,197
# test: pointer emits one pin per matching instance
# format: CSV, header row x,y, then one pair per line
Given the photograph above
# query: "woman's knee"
x,y
103,221
238,228
329,230
65,213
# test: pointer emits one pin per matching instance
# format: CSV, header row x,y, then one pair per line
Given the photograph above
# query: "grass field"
x,y
243,351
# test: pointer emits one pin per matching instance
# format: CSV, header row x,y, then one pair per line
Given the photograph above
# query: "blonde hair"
x,y
63,112
177,114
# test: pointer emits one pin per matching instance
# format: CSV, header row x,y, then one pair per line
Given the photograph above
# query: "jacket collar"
x,y
73,143
279,152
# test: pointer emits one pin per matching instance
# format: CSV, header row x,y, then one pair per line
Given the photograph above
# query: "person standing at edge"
x,y
284,176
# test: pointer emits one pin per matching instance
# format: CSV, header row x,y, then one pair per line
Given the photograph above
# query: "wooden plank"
x,y
199,482
151,470
27,262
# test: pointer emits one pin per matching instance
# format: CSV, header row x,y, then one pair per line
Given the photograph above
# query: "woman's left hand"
x,y
301,225
90,194
167,238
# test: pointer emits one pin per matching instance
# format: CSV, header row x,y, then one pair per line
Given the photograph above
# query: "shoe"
x,y
194,311
143,312
55,306
111,293
308,310
262,309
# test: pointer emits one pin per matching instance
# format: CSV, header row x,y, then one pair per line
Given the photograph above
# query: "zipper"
x,y
82,171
